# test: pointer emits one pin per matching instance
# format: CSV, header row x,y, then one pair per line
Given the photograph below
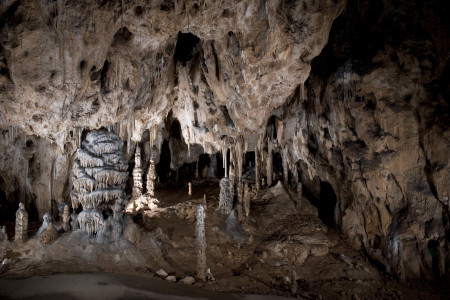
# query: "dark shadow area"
x,y
186,43
327,203
163,167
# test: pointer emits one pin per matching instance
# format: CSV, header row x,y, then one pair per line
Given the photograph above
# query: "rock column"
x,y
200,243
137,174
21,224
151,176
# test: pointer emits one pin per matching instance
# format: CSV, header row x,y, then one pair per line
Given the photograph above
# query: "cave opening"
x,y
277,164
220,170
326,203
175,129
185,48
204,161
249,161
163,170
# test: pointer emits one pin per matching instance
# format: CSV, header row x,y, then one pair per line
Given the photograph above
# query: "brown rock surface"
x,y
356,92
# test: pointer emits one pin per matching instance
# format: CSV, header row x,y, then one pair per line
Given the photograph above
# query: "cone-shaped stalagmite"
x,y
200,243
21,224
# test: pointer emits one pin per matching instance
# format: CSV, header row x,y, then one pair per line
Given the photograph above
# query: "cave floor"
x,y
282,242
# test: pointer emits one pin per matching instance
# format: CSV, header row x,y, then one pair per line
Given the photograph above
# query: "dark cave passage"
x,y
163,167
326,204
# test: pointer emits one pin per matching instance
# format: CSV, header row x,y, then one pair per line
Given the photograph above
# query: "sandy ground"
x,y
108,286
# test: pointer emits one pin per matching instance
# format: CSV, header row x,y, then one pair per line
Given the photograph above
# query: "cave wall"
x,y
354,93
374,125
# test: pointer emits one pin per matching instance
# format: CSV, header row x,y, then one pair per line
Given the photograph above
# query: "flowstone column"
x,y
21,224
200,243
137,174
100,174
151,176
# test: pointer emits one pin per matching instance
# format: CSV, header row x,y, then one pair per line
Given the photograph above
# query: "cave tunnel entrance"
x,y
220,172
175,129
277,164
163,167
203,161
185,48
249,161
326,203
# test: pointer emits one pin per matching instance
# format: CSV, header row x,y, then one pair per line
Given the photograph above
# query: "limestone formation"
x,y
200,243
225,198
47,219
48,235
151,176
189,189
269,163
66,218
99,176
246,201
349,98
137,173
21,224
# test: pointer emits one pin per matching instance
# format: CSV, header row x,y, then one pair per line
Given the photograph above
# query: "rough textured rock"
x,y
48,235
348,97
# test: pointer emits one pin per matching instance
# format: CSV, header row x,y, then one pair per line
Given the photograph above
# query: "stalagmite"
x,y
21,224
137,174
225,199
232,180
66,218
299,190
190,189
269,161
200,243
49,235
151,176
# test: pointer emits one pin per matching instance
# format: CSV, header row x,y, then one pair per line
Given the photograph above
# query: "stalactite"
x,y
239,157
200,243
80,135
269,161
257,170
285,166
247,199
189,189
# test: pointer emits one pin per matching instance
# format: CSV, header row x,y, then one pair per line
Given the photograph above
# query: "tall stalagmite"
x,y
137,173
200,243
21,224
